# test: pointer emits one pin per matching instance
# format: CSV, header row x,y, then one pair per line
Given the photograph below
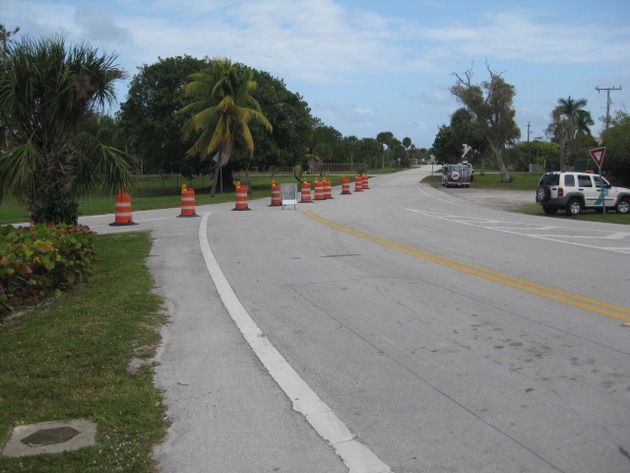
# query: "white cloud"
x,y
98,25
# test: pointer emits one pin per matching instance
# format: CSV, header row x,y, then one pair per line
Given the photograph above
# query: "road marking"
x,y
575,300
561,238
523,229
356,456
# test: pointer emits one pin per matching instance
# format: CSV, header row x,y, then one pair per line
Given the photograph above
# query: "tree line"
x,y
485,122
196,116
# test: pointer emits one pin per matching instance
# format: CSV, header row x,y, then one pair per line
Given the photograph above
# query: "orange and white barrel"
x,y
188,202
306,193
275,194
345,186
327,189
358,183
365,183
319,190
241,197
123,214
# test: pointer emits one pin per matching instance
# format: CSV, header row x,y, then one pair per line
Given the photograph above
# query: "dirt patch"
x,y
494,198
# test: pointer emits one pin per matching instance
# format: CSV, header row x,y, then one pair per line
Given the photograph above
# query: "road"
x,y
444,336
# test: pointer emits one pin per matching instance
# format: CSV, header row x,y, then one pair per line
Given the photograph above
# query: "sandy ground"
x,y
494,198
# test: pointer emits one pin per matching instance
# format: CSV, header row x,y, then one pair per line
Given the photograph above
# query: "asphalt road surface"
x,y
400,329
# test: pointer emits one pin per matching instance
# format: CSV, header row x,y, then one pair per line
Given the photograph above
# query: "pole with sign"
x,y
598,156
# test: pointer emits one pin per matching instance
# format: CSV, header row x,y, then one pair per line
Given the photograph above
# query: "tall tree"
x,y
617,142
47,91
491,106
222,108
371,150
151,130
386,138
351,145
291,119
569,121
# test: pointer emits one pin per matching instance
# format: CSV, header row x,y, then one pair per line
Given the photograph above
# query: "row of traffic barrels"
x,y
123,212
323,191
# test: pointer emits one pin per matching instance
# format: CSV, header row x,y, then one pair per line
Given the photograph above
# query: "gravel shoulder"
x,y
493,198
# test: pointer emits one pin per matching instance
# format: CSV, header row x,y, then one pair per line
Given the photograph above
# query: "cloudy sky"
x,y
366,66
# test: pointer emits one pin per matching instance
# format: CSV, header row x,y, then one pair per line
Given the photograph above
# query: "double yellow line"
x,y
599,307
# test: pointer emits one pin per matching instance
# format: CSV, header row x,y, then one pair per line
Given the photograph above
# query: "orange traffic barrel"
x,y
358,183
241,197
306,193
319,190
188,202
275,195
123,209
365,184
345,186
327,189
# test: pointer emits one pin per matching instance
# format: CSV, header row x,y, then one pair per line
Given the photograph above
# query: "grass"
x,y
154,193
69,359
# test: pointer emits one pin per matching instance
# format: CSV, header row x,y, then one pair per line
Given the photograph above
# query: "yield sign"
x,y
598,155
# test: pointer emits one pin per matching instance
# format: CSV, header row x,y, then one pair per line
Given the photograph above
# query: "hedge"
x,y
42,260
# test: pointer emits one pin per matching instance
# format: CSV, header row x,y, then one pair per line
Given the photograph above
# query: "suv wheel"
x,y
542,193
623,207
574,207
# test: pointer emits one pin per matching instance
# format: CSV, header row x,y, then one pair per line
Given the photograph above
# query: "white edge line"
x,y
356,456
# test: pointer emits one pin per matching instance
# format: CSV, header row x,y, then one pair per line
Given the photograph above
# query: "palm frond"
x,y
18,166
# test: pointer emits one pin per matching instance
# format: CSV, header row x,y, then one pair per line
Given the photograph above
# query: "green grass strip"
x,y
70,359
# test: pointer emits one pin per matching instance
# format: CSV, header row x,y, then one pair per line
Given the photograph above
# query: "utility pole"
x,y
529,160
608,101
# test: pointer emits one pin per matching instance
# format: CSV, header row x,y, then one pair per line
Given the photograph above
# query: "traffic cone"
x,y
306,193
275,195
319,190
123,210
345,186
327,189
365,184
241,197
188,202
358,183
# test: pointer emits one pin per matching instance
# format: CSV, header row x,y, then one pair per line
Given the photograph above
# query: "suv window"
x,y
569,180
599,181
552,179
584,180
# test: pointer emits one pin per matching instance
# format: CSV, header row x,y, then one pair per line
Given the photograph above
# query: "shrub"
x,y
42,260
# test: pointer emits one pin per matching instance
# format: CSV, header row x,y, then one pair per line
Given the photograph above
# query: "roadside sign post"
x,y
598,156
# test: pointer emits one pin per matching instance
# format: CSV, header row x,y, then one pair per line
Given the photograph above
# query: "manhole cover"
x,y
50,436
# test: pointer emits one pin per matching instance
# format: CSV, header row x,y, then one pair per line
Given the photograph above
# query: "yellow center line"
x,y
575,300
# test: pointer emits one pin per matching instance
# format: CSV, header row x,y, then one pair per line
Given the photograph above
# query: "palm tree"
x,y
221,110
47,92
5,37
569,120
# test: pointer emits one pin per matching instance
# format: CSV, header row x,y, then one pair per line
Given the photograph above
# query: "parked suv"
x,y
460,175
574,191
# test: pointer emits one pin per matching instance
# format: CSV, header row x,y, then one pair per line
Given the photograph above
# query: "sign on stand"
x,y
598,156
288,195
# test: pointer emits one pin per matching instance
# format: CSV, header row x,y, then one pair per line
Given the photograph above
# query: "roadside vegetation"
x,y
155,192
71,358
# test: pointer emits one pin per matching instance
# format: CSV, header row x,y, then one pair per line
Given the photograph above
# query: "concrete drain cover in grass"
x,y
50,437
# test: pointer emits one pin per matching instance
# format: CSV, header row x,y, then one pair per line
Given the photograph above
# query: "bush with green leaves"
x,y
42,260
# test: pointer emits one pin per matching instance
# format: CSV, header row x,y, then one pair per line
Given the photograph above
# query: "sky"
x,y
368,66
